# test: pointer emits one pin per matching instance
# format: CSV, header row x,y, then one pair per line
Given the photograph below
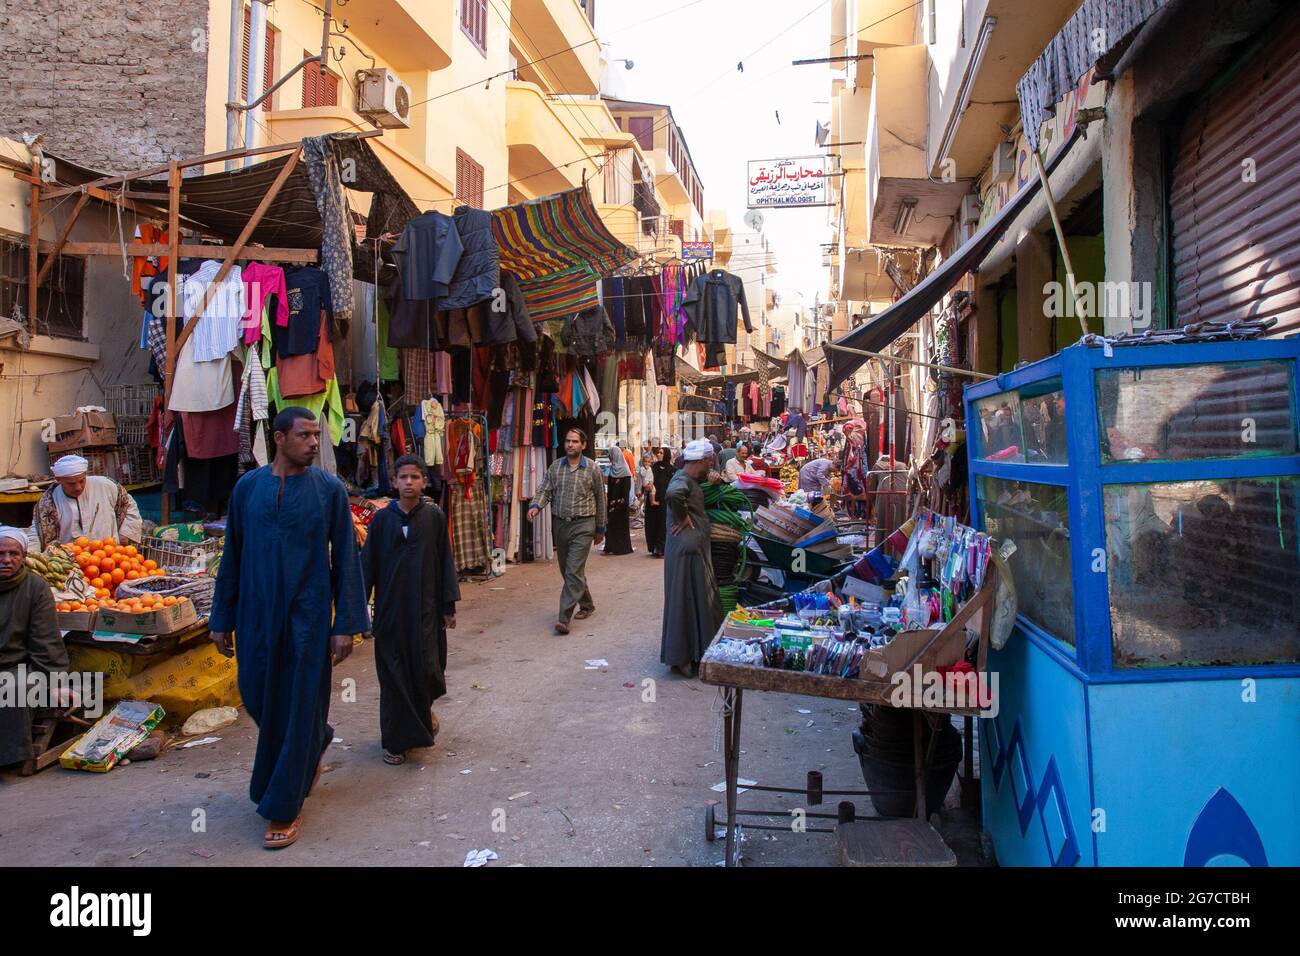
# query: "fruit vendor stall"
x,y
1152,494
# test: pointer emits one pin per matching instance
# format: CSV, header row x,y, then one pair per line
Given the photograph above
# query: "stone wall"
x,y
115,86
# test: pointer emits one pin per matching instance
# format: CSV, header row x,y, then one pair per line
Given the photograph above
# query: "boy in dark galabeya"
x,y
407,563
290,589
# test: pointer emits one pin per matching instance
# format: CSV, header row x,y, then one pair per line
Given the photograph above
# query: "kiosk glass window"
x,y
1037,518
1187,412
1203,572
1025,426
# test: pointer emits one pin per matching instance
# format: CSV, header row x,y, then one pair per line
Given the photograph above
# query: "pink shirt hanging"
x,y
261,281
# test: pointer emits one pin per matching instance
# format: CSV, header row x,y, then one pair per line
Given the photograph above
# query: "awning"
x,y
1097,35
224,202
903,314
558,247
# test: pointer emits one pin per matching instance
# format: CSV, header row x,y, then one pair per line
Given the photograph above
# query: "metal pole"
x,y
1060,240
256,67
232,78
893,358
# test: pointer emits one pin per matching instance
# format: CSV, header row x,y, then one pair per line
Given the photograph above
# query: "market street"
x,y
606,779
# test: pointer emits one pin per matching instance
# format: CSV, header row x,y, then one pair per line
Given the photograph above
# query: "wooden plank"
x,y
173,295
891,843
197,161
229,260
190,250
61,239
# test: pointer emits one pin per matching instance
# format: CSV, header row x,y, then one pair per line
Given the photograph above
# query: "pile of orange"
x,y
135,605
106,564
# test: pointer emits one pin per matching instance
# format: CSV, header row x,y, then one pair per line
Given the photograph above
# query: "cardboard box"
x,y
75,620
165,620
101,747
882,663
83,430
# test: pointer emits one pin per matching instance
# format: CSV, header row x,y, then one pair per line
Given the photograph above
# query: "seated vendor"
x,y
815,477
743,463
29,638
83,505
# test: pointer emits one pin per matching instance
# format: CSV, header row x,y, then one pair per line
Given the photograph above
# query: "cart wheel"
x,y
710,823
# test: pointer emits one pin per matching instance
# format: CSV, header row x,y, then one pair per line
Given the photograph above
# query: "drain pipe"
x,y
256,70
232,79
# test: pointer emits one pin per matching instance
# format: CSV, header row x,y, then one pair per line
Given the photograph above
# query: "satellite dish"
x,y
754,220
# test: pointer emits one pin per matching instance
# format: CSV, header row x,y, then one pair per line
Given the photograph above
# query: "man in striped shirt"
x,y
575,489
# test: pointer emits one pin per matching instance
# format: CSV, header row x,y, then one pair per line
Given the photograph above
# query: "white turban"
x,y
70,465
698,450
18,534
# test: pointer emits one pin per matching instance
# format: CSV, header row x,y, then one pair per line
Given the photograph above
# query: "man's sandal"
x,y
583,615
280,835
394,759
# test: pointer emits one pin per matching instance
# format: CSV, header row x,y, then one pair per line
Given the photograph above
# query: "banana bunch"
x,y
55,565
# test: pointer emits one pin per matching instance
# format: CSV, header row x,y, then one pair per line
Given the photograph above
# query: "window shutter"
x,y
268,71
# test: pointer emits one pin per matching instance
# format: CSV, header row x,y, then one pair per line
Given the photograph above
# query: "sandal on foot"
x,y
280,835
583,615
561,627
394,759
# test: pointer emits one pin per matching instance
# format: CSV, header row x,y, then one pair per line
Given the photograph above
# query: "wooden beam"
x,y
33,245
233,252
62,239
198,161
173,278
173,291
188,250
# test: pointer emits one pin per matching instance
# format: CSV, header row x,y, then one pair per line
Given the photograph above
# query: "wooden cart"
x,y
735,679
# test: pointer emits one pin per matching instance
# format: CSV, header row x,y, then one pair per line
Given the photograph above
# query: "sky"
x,y
687,59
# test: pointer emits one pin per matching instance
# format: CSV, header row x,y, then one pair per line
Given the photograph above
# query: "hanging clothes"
x,y
711,305
435,424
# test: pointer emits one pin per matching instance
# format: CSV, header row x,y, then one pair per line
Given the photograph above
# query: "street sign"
x,y
697,250
795,181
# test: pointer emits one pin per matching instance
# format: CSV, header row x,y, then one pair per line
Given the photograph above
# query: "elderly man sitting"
x,y
83,505
29,638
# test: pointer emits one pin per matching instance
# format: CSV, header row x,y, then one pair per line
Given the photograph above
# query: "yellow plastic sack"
x,y
117,667
197,678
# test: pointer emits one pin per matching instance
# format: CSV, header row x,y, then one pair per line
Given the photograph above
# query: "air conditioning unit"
x,y
384,98
1004,163
970,209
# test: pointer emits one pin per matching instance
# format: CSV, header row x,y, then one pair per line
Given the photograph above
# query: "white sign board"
x,y
797,181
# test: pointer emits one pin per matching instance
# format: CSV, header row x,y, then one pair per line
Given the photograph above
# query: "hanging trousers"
x,y
573,540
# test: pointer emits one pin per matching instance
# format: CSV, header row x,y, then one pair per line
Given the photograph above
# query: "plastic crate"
x,y
181,556
130,400
132,429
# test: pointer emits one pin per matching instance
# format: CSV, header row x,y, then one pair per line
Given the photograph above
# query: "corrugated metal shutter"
x,y
1236,242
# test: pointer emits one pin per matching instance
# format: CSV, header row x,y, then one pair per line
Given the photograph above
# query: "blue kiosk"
x,y
1149,694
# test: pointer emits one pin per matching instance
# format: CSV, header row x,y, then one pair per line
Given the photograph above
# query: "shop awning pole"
x,y
1060,240
173,295
197,161
894,358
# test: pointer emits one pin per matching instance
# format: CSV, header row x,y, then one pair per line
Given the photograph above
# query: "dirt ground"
x,y
539,759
